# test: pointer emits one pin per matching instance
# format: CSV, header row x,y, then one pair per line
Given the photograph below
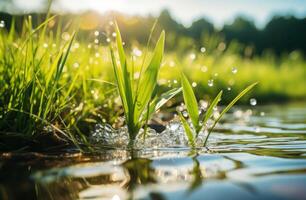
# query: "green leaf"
x,y
229,106
188,130
211,108
191,102
149,79
125,74
157,103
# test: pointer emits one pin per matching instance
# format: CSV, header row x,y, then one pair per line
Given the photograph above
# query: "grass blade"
x,y
229,106
188,130
149,79
191,102
211,107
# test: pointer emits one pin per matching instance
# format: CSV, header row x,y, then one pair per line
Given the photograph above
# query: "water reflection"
x,y
238,165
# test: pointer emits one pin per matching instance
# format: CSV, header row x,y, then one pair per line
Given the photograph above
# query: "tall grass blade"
x,y
188,130
191,102
149,78
229,106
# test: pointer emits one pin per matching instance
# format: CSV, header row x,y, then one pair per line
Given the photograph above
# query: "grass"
x,y
138,97
199,122
57,86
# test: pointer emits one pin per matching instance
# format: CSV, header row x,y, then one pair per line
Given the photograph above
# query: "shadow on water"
x,y
241,164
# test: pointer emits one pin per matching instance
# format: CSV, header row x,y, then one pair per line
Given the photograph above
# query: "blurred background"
x,y
220,43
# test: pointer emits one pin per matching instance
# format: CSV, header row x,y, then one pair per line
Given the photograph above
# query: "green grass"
x,y
55,83
138,97
198,121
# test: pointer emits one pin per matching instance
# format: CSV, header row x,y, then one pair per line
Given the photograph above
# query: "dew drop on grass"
x,y
234,70
210,82
194,84
185,114
96,41
253,102
262,114
45,45
114,34
97,54
216,74
229,88
108,40
97,33
203,49
111,23
175,81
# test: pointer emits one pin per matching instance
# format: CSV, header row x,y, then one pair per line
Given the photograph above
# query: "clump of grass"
x,y
139,97
198,122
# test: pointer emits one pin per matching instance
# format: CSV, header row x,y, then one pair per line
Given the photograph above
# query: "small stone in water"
x,y
253,102
210,82
234,70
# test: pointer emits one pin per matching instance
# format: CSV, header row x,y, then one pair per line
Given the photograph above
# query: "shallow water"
x,y
256,153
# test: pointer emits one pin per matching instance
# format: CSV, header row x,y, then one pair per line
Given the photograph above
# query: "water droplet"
x,y
137,52
204,68
203,49
123,43
174,81
253,102
262,114
97,33
108,40
116,197
45,45
192,56
97,54
114,34
184,113
171,63
216,74
210,82
257,129
136,75
2,24
66,36
89,46
234,70
76,65
111,23
96,41
229,88
194,84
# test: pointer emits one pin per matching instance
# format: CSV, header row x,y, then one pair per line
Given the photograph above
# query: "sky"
x,y
184,11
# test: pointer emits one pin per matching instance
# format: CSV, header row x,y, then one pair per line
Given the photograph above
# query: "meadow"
x,y
56,86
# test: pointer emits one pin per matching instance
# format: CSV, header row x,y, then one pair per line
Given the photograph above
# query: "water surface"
x,y
256,153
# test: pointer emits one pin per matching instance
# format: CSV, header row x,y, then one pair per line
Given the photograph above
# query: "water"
x,y
256,153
